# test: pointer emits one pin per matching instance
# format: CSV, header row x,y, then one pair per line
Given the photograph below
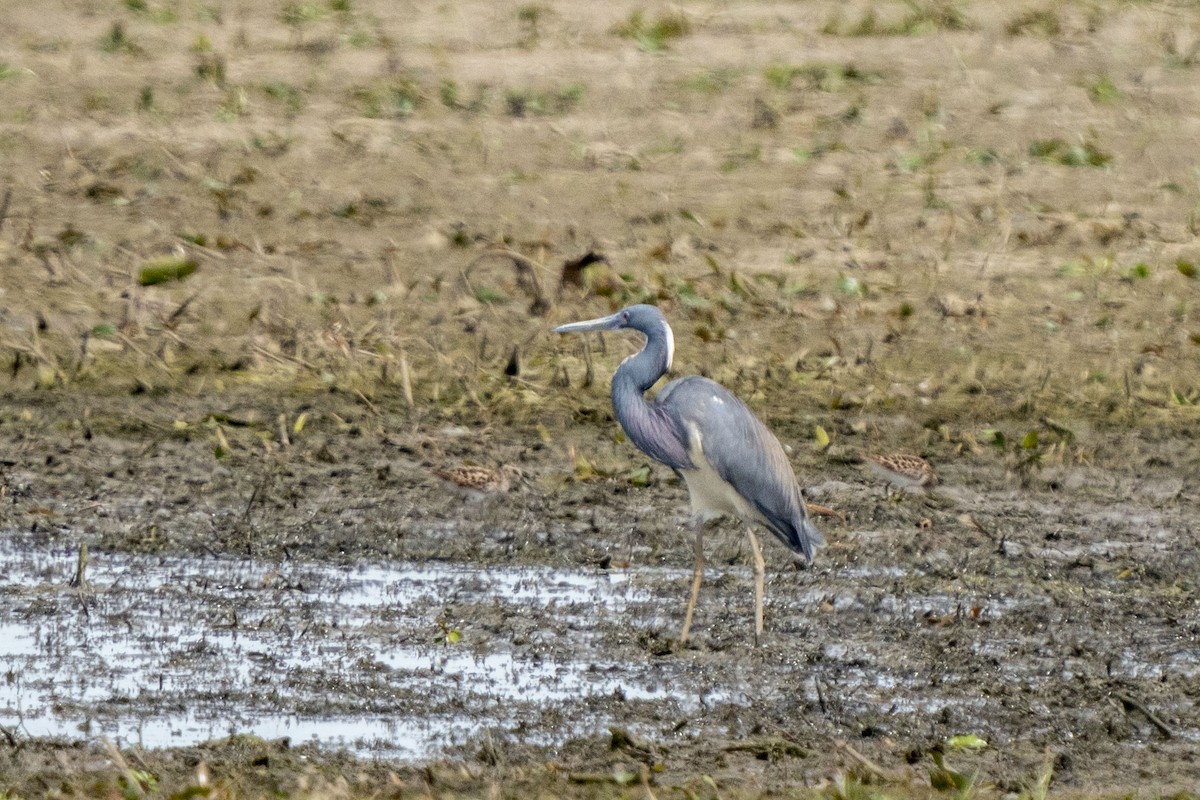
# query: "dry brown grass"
x,y
877,237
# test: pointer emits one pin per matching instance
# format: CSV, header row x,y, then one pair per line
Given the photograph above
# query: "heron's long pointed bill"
x,y
609,323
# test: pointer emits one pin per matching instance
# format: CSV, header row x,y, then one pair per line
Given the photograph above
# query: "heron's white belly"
x,y
711,494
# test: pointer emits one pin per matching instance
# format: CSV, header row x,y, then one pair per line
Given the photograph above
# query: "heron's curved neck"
x,y
647,424
639,372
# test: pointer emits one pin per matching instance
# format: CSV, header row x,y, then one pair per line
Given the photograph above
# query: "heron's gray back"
x,y
744,453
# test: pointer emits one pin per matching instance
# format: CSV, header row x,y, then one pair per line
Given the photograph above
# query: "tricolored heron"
x,y
731,463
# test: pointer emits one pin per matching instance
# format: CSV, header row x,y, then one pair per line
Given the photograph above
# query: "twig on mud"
x,y
867,763
370,405
970,522
4,207
1131,703
825,511
767,746
203,250
177,313
153,358
253,497
282,359
645,776
132,779
526,268
406,379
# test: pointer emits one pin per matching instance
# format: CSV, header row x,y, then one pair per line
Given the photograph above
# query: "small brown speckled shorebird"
x,y
479,482
906,472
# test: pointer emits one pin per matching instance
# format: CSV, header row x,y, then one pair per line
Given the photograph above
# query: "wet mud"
x,y
246,596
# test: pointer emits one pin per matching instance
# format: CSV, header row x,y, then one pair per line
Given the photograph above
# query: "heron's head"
x,y
643,318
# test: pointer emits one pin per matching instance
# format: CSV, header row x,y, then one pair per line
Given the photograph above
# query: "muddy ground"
x,y
965,231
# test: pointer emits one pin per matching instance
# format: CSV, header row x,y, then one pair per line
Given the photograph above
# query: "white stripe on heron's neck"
x,y
670,343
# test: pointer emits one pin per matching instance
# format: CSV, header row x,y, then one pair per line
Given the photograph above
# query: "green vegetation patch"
x,y
1058,151
919,19
654,35
820,76
163,271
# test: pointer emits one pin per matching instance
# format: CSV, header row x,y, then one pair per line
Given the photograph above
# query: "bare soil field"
x,y
264,267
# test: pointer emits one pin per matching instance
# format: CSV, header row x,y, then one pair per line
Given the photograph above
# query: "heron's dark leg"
x,y
760,568
697,577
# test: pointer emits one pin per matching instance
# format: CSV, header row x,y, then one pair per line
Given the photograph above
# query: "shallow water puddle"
x,y
391,659
404,660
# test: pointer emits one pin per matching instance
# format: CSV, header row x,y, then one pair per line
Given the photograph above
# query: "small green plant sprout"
x,y
654,36
994,436
710,80
137,783
849,284
286,94
1103,90
211,67
1038,22
639,477
927,16
923,17
118,41
1039,787
164,270
1057,151
950,781
821,437
299,16
1029,454
526,102
1175,56
984,157
162,13
490,296
1188,398
235,103
1138,271
1186,268
967,741
529,17
446,634
397,100
448,92
822,77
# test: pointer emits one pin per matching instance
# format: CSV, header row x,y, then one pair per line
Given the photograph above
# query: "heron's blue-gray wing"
x,y
746,454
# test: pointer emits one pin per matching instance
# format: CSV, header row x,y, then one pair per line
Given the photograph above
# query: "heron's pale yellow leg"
x,y
697,577
760,569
